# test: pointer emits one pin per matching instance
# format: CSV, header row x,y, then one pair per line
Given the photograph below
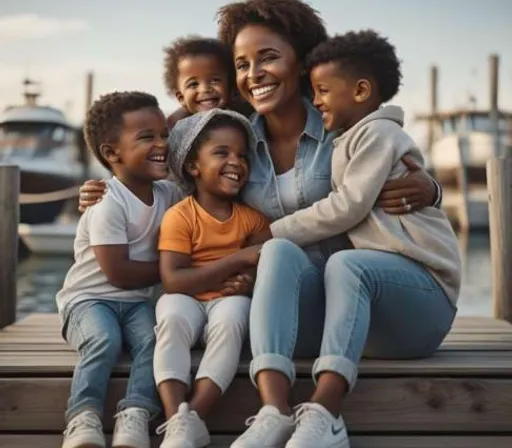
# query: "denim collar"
x,y
314,124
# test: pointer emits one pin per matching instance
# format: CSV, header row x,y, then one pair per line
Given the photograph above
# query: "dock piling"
x,y
499,184
9,212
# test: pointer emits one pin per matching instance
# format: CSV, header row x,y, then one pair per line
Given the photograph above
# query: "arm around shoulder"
x,y
357,185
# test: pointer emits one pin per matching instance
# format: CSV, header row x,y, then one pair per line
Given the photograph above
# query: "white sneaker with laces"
x,y
184,430
317,427
131,428
84,429
267,429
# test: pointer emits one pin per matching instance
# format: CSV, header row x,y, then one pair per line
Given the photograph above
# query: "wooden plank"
x,y
51,320
468,364
401,405
53,441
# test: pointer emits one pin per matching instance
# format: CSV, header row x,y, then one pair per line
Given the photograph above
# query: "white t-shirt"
x,y
120,218
287,188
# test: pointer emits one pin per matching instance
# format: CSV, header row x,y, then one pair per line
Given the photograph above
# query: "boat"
x,y
44,144
49,238
460,142
465,140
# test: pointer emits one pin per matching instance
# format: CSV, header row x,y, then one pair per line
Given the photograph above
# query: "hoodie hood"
x,y
393,113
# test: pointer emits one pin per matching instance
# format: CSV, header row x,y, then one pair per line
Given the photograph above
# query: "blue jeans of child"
x,y
380,302
97,329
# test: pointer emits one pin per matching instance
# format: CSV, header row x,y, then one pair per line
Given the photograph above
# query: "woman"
x,y
291,171
288,316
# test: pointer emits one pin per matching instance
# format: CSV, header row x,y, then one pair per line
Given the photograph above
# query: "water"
x,y
40,277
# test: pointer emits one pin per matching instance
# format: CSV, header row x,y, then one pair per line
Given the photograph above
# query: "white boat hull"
x,y
460,166
54,238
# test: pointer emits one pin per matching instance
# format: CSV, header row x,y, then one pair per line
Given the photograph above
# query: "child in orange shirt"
x,y
201,245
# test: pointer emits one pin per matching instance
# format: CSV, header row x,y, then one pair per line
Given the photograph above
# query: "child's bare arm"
x,y
178,275
259,238
122,272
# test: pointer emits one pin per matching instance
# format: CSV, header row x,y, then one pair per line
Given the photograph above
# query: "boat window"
x,y
34,136
58,134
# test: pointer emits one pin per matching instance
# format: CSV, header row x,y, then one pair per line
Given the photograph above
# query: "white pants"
x,y
181,320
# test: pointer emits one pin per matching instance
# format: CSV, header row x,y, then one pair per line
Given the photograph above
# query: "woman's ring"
x,y
408,207
404,200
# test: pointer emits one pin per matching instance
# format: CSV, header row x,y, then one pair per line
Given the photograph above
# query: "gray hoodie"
x,y
364,158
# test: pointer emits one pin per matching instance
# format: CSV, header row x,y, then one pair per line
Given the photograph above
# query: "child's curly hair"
x,y
105,118
194,46
295,21
363,54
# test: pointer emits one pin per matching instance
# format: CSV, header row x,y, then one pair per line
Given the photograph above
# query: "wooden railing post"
x,y
9,219
499,184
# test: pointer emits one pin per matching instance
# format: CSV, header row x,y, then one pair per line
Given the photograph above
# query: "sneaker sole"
x,y
202,441
121,442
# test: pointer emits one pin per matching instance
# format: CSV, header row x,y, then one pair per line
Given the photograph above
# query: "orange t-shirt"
x,y
189,229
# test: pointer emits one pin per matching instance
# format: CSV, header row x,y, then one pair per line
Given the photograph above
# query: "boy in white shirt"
x,y
105,300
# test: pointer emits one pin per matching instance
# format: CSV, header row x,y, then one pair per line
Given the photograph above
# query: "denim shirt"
x,y
312,177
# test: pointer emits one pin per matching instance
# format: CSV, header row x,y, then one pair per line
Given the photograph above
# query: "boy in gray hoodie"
x,y
352,75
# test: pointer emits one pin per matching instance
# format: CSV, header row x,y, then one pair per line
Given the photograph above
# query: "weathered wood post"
x,y
494,112
9,218
499,184
432,123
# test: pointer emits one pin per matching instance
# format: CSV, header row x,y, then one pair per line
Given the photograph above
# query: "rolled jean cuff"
x,y
137,401
337,364
88,406
272,361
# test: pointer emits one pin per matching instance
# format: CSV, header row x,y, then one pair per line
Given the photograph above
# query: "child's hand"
x,y
249,256
91,192
241,284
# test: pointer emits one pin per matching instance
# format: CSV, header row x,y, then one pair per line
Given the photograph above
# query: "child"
x,y
104,301
352,75
202,241
199,73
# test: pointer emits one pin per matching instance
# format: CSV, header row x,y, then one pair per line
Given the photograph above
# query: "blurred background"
x,y
56,56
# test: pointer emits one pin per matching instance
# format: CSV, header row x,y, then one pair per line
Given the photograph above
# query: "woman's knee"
x,y
280,248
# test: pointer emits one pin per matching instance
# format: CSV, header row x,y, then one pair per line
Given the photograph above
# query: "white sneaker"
x,y
131,428
184,430
267,429
84,429
317,427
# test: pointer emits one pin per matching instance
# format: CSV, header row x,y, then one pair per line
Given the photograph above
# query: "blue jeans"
x,y
96,329
380,302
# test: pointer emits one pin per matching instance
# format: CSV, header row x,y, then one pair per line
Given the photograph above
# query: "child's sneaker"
x,y
317,427
267,429
184,430
84,429
131,428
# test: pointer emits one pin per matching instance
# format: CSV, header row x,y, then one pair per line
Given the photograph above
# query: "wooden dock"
x,y
459,398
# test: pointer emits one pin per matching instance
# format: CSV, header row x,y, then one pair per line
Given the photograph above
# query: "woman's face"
x,y
267,69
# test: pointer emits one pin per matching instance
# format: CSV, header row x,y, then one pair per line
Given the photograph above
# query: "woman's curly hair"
x,y
104,119
362,53
295,21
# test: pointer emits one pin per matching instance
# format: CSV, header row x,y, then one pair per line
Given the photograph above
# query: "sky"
x,y
56,42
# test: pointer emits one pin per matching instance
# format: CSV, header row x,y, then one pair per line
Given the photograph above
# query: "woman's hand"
x,y
91,192
242,284
408,194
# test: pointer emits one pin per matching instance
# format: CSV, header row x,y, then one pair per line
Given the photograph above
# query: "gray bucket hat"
x,y
184,134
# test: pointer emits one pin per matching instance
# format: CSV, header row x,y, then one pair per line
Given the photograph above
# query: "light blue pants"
x,y
380,302
96,329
